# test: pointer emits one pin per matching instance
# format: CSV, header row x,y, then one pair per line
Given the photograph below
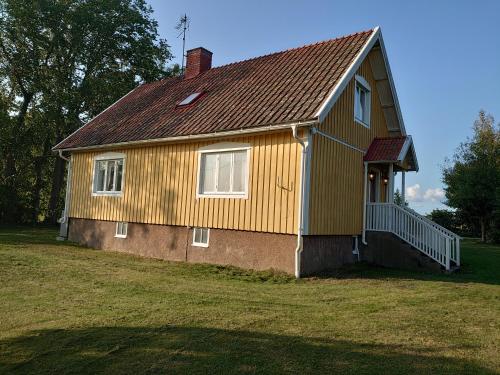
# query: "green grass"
x,y
68,309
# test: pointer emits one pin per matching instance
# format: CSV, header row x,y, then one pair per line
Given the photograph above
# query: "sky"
x,y
444,57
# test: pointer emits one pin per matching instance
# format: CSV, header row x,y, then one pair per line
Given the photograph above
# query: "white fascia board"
x,y
186,138
408,145
347,76
393,87
351,71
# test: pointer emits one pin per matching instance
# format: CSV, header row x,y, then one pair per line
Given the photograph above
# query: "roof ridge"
x,y
272,54
295,48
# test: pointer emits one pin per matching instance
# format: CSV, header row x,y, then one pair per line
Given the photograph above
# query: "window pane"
x,y
357,103
110,176
197,235
100,169
362,104
224,176
239,172
208,162
119,175
204,236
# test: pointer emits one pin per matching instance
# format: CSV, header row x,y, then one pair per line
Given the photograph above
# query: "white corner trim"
x,y
347,76
307,183
96,116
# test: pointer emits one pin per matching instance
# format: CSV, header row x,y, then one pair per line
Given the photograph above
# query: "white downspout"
x,y
365,182
300,229
63,232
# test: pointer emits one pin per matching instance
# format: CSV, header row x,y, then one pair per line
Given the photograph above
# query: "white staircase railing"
x,y
423,234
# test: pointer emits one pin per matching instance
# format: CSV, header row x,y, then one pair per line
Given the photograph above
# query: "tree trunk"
x,y
11,146
55,192
483,230
39,164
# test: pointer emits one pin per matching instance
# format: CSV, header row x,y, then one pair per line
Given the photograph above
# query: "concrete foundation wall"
x,y
252,250
387,250
322,253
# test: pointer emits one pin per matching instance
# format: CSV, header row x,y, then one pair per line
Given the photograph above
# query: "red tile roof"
x,y
273,89
385,149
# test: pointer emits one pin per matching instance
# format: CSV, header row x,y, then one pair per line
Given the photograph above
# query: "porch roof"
x,y
397,150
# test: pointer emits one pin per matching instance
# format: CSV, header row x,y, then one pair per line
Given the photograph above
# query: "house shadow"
x,y
468,273
196,350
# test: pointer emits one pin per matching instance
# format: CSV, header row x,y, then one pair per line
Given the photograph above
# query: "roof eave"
x,y
351,71
231,133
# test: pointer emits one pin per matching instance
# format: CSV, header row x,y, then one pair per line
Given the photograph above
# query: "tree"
x,y
472,178
445,218
398,199
63,62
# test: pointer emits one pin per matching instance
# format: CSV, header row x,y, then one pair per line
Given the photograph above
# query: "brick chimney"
x,y
198,61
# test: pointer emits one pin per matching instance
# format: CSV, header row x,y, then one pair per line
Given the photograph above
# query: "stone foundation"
x,y
251,250
323,253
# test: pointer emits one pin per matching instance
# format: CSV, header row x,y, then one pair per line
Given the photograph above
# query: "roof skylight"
x,y
190,99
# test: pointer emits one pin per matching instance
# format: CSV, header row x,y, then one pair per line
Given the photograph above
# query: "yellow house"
x,y
285,161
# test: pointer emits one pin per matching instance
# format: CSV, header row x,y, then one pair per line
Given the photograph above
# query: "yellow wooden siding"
x,y
160,185
336,192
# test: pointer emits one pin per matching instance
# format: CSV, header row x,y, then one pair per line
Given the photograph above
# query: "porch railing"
x,y
423,234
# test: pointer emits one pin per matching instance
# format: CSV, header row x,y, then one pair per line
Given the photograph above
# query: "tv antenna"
x,y
183,26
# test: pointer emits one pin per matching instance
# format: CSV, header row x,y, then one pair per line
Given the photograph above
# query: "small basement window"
x,y
362,100
121,229
200,237
190,99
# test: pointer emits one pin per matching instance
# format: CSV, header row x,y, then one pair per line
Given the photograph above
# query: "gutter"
x,y
242,131
300,228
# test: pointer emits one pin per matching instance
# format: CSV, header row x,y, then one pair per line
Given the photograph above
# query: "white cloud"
x,y
414,193
434,195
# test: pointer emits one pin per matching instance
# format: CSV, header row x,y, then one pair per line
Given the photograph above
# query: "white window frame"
x,y
361,82
124,228
218,148
201,244
108,156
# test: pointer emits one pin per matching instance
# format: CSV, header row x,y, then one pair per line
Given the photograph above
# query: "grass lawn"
x,y
68,309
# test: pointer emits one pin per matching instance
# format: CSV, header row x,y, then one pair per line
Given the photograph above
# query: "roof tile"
x,y
273,89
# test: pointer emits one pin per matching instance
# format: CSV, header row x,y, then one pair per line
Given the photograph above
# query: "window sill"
x,y
233,196
107,194
195,244
362,123
120,236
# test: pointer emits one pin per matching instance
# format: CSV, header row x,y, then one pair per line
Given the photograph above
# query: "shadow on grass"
x,y
190,350
25,235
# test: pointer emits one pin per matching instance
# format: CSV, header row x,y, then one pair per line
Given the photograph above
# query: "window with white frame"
x,y
121,229
223,172
362,101
108,174
200,237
